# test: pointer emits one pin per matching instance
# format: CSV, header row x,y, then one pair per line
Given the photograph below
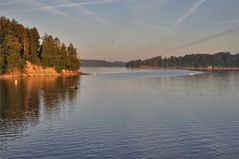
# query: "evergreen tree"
x,y
26,45
47,54
19,43
221,59
11,49
34,45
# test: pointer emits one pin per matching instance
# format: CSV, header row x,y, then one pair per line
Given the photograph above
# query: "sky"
x,y
123,30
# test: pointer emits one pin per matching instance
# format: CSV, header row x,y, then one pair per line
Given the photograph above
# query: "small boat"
x,y
75,87
191,73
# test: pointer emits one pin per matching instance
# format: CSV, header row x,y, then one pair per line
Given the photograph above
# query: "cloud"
x,y
156,27
204,39
190,12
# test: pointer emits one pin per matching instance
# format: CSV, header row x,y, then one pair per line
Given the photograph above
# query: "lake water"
x,y
121,114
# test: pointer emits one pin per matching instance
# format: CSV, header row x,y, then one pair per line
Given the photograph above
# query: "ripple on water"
x,y
146,114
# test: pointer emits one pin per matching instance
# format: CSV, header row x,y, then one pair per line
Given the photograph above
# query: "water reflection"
x,y
22,100
122,115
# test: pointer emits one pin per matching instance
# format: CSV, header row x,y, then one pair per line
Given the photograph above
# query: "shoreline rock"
x,y
32,70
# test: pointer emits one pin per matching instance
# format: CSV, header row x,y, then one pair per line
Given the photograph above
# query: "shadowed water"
x,y
119,113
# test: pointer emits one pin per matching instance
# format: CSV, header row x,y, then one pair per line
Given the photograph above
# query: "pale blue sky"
x,y
132,29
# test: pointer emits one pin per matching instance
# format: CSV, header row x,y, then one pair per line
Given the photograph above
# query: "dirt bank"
x,y
32,70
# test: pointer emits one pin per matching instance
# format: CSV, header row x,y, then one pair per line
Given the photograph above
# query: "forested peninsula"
x,y
24,53
217,61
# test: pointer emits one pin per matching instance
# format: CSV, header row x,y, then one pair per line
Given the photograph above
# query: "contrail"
x,y
204,39
190,12
64,5
10,3
56,11
54,8
156,27
35,2
87,12
76,4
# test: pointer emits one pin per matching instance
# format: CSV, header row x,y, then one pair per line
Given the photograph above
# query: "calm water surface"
x,y
119,113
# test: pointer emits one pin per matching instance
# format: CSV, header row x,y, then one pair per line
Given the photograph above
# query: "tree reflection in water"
x,y
21,101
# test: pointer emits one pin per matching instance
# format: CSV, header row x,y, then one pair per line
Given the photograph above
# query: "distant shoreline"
x,y
217,61
194,68
32,70
101,63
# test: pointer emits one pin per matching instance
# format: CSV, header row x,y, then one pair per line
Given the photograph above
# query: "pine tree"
x,y
19,43
34,45
26,45
11,51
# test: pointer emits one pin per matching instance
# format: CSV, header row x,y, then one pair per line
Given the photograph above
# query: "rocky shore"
x,y
32,70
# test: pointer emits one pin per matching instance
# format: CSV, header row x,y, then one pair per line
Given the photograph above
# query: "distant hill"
x,y
101,63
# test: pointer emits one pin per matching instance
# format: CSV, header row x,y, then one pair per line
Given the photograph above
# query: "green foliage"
x,y
12,48
34,45
56,54
1,63
18,44
222,59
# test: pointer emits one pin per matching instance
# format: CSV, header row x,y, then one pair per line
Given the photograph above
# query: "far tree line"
x,y
221,59
19,44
